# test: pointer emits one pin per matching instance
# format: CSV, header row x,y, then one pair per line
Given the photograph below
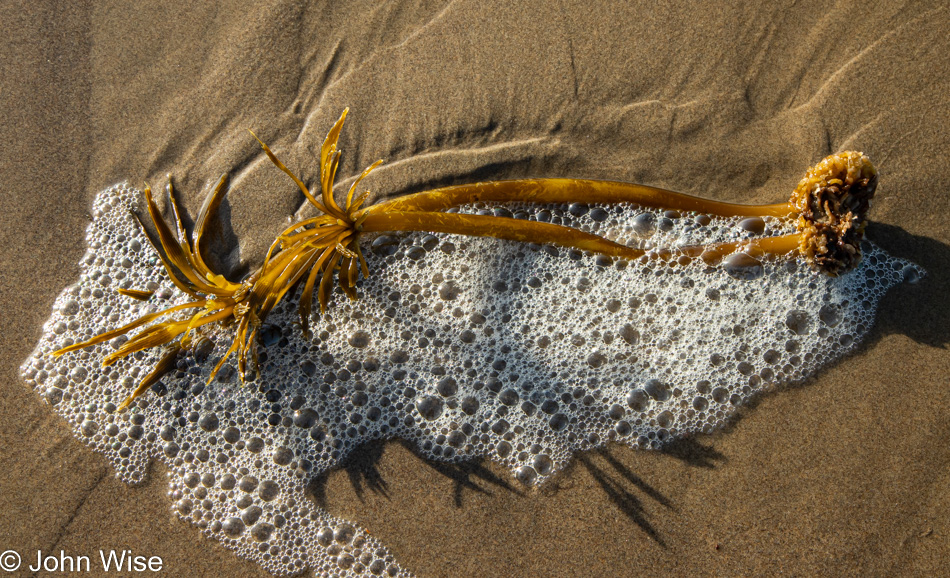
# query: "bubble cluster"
x,y
521,353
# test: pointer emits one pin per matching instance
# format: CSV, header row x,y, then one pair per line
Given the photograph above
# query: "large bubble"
x,y
467,347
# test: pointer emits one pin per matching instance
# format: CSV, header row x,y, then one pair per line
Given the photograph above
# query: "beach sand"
x,y
846,474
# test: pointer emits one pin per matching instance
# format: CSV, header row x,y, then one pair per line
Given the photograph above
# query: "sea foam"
x,y
466,347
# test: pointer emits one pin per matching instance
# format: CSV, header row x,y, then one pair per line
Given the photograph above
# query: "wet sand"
x,y
847,474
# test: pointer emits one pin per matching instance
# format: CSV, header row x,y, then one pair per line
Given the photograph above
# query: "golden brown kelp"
x,y
214,299
330,241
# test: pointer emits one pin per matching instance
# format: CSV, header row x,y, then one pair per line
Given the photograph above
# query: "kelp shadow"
x,y
918,310
691,452
223,235
624,488
627,490
220,231
630,492
467,475
362,467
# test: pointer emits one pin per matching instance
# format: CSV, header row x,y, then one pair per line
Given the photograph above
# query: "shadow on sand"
x,y
629,492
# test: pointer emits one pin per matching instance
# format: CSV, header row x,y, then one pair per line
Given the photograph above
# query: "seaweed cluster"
x,y
833,201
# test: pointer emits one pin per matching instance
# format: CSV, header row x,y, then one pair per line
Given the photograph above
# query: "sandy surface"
x,y
848,474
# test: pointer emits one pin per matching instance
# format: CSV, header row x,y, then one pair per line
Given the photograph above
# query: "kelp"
x,y
829,207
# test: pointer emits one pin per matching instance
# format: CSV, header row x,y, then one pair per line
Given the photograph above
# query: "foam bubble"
x,y
467,347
